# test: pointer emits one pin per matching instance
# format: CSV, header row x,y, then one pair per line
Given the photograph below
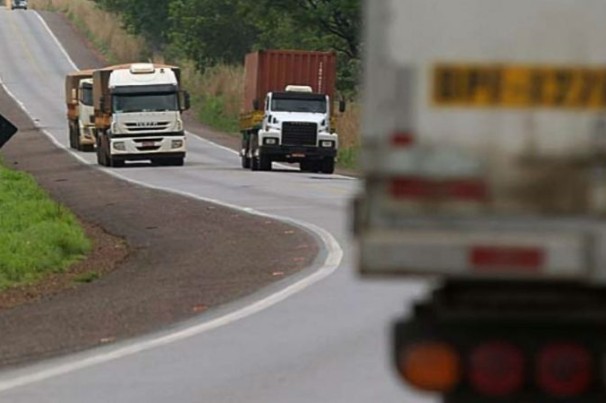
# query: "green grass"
x,y
348,158
211,111
37,235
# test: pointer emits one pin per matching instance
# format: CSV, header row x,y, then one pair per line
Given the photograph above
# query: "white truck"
x,y
287,113
484,159
138,114
80,111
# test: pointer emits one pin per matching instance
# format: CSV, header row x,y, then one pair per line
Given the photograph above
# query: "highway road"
x,y
322,336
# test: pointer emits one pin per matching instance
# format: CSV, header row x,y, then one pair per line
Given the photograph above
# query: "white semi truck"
x,y
138,114
287,112
484,156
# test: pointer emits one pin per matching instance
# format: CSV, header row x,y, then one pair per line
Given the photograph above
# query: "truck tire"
x,y
246,160
72,137
115,162
310,166
264,163
176,162
78,144
327,166
101,159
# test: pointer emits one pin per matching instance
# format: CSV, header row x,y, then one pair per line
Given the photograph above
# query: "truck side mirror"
x,y
255,104
342,106
185,101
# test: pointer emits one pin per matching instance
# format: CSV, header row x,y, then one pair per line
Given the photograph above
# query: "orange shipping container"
x,y
272,70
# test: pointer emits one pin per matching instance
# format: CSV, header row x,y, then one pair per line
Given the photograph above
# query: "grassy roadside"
x,y
37,236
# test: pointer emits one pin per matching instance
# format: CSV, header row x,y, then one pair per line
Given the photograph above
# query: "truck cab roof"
x,y
158,76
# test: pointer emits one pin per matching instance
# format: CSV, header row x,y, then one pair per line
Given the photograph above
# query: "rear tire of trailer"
x,y
327,166
245,162
245,158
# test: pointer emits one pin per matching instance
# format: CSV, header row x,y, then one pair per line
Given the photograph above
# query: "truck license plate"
x,y
299,155
148,144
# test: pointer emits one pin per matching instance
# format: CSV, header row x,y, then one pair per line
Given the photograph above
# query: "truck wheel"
x,y
101,159
254,163
176,162
78,144
328,166
307,166
115,162
264,163
245,162
72,137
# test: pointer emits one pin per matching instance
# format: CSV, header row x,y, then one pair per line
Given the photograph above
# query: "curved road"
x,y
321,337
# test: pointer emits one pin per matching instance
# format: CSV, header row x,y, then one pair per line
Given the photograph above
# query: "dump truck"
x,y
484,165
80,112
287,112
138,114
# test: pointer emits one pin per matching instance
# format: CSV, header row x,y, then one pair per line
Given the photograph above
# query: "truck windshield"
x,y
298,105
86,96
145,102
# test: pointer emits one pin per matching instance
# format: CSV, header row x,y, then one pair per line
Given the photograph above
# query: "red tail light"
x,y
439,190
564,370
402,139
467,189
411,188
497,369
521,259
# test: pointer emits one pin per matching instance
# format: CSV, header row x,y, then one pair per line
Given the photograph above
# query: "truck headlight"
x,y
176,144
270,141
119,146
327,144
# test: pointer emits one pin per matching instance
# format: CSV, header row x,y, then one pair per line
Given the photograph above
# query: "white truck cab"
x,y
296,128
145,120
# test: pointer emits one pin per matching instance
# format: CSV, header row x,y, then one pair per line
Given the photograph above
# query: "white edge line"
x,y
329,266
52,34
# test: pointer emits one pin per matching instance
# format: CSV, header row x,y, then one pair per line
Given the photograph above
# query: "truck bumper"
x,y
147,147
154,156
296,153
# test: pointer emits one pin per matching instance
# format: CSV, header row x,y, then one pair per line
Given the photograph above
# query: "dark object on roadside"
x,y
7,130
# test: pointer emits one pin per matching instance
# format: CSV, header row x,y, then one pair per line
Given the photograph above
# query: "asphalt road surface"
x,y
324,337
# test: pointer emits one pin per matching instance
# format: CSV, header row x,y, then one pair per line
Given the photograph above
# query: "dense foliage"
x,y
223,31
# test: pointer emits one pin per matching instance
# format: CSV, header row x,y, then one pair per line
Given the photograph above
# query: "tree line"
x,y
210,32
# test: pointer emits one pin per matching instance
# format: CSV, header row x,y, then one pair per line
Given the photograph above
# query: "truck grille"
x,y
299,134
146,126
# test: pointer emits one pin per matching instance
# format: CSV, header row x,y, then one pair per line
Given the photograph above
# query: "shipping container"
x,y
273,70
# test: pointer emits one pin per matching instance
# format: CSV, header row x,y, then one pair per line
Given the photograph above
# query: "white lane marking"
x,y
329,266
52,34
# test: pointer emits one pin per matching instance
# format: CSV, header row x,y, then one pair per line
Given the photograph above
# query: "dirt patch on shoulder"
x,y
107,253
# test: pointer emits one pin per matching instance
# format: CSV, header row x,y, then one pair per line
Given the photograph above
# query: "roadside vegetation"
x,y
209,38
37,236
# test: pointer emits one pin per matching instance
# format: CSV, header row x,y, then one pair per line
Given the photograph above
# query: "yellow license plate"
x,y
518,86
